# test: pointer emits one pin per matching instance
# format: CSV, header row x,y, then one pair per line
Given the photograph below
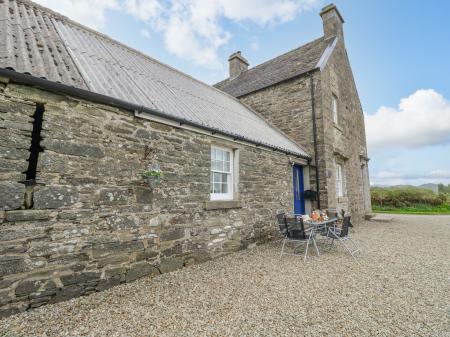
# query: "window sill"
x,y
223,204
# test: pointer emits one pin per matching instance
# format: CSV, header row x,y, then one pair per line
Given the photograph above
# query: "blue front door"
x,y
299,190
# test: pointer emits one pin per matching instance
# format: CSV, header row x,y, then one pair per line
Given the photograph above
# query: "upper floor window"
x,y
334,109
339,181
221,173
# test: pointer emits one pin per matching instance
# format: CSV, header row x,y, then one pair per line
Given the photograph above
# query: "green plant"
x,y
409,200
151,173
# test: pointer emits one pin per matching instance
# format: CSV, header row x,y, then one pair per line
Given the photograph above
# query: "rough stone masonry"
x,y
288,102
91,221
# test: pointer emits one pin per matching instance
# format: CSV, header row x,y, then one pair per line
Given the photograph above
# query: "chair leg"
x,y
357,249
315,245
351,252
282,248
333,237
306,250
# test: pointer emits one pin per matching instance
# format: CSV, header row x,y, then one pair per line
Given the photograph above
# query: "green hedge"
x,y
407,197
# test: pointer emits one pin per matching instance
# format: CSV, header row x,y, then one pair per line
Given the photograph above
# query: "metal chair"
x,y
281,220
332,213
295,232
342,236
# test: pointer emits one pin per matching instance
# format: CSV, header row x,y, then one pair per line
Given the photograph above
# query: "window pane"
x,y
226,166
221,177
216,187
225,188
219,154
217,177
225,177
215,165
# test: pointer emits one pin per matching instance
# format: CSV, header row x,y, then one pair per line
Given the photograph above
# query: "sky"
x,y
399,52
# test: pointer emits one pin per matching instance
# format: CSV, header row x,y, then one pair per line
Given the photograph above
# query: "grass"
x,y
418,209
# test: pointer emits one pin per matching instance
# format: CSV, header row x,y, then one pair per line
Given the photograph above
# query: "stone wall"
x,y
288,106
345,142
92,222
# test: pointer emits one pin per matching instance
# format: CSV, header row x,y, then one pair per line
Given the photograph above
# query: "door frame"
x,y
298,189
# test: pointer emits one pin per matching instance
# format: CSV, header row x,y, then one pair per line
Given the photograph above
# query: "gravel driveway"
x,y
400,288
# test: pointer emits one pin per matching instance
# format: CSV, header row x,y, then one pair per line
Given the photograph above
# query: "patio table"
x,y
322,226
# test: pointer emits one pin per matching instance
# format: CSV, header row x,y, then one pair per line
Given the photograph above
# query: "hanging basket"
x,y
153,181
153,175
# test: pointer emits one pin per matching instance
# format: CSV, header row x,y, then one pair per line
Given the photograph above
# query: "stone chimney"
x,y
237,63
332,22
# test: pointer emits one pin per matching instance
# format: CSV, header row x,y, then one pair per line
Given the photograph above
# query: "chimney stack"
x,y
237,64
332,22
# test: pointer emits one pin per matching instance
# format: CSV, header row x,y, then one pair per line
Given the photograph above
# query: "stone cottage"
x,y
114,166
309,93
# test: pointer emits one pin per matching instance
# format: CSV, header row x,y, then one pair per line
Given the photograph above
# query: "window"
x,y
339,181
334,109
221,173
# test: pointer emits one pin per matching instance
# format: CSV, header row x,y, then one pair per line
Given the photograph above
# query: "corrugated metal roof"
x,y
30,44
46,44
281,68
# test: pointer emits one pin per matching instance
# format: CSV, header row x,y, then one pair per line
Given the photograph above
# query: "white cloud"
x,y
264,11
420,120
83,11
439,174
407,178
192,29
143,9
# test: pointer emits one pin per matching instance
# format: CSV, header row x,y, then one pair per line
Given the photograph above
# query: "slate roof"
x,y
42,43
281,68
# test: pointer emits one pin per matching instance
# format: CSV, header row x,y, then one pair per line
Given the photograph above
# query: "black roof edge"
x,y
118,103
306,73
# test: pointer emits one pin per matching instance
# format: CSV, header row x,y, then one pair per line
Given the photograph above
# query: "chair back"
x,y
332,214
345,226
281,219
295,228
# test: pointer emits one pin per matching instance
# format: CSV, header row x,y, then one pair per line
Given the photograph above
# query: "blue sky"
x,y
399,51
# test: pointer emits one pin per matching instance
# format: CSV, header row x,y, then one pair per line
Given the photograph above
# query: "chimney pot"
x,y
332,21
237,64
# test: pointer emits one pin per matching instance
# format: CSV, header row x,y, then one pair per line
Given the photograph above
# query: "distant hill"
x,y
430,186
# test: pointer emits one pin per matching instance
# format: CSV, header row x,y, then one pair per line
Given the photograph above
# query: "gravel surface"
x,y
400,288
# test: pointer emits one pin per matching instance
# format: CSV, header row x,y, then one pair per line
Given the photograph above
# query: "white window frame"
x,y
334,108
230,176
339,181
